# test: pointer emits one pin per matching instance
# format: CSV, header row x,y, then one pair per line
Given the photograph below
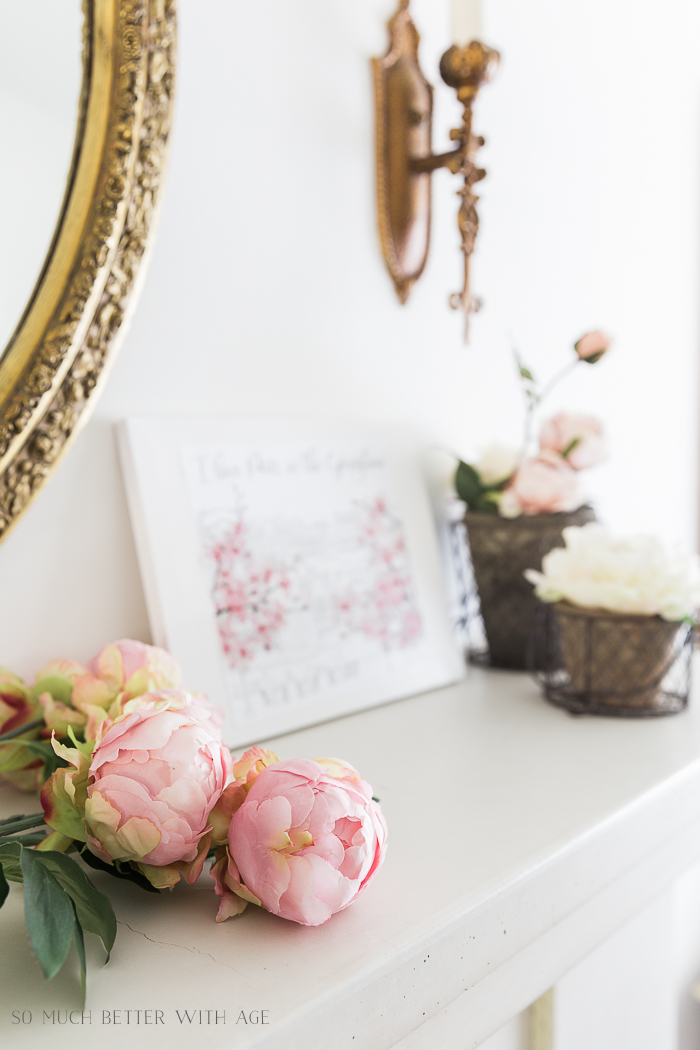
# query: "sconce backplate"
x,y
404,106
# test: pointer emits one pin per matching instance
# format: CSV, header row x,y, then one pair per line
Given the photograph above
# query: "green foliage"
x,y
525,373
47,912
93,908
60,903
468,485
60,688
570,447
42,749
118,871
474,492
85,747
9,861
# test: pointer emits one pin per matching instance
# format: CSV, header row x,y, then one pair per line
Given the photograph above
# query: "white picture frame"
x,y
292,569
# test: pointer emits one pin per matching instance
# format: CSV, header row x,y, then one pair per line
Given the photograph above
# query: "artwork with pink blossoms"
x,y
294,569
310,576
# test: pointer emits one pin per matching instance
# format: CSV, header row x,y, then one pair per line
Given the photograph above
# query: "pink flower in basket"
x,y
544,484
579,439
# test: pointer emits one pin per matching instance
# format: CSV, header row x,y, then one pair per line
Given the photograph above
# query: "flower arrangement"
x,y
137,782
623,617
637,575
513,483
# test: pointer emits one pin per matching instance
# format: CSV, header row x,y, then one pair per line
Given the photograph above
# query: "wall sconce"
x,y
405,161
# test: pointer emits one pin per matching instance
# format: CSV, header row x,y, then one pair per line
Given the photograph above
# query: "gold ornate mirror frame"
x,y
57,360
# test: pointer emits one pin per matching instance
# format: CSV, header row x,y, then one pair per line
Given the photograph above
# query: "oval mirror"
x,y
39,100
86,97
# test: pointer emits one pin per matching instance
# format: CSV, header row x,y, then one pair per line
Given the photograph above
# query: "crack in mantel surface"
x,y
171,944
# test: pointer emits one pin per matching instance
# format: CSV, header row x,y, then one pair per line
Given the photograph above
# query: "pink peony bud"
x,y
245,771
591,346
305,842
578,438
17,764
128,668
86,696
545,484
155,774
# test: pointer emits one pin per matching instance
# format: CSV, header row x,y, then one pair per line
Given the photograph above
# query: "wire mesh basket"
x,y
497,604
590,661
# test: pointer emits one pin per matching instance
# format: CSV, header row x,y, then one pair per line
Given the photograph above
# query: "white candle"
x,y
466,21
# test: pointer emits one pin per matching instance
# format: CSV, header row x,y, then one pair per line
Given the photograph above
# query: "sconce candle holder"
x,y
405,161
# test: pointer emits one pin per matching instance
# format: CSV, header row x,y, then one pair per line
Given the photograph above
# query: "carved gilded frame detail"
x,y
57,360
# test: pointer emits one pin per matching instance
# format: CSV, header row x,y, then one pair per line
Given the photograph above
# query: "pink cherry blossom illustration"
x,y
251,596
385,609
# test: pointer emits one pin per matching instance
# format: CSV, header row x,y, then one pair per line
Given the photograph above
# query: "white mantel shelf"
x,y
519,838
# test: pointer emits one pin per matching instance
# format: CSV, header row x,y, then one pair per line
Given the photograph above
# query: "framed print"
x,y
292,569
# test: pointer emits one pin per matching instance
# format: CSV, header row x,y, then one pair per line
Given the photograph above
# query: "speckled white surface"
x,y
518,837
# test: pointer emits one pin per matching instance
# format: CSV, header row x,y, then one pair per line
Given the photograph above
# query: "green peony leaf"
x,y
4,888
468,485
80,949
130,874
9,861
48,913
93,908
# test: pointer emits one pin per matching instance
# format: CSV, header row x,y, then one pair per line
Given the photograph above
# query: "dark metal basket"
x,y
497,603
604,663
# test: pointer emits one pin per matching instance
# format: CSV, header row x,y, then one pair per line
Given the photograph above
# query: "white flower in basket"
x,y
634,575
621,606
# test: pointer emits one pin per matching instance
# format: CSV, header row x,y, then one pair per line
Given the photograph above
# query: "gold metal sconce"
x,y
405,161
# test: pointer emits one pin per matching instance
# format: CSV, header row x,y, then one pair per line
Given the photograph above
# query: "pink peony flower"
x,y
155,774
591,346
305,842
582,435
544,484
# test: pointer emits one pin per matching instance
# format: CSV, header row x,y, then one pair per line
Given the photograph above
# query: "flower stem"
x,y
535,400
13,825
557,377
26,728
